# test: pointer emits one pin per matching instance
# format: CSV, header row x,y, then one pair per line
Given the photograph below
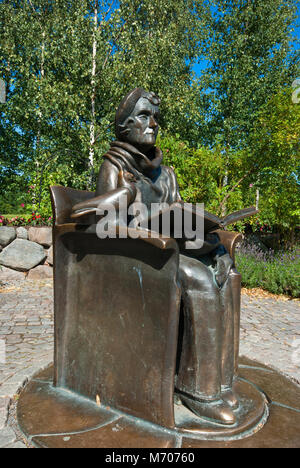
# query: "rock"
x,y
7,235
22,233
50,255
41,235
22,255
8,274
40,272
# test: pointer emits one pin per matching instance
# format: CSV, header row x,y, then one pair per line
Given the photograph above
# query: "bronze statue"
x,y
146,335
210,286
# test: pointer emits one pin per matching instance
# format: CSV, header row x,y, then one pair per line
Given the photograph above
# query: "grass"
x,y
14,215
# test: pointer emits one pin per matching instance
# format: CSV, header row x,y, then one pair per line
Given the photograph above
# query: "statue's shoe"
x,y
230,398
217,411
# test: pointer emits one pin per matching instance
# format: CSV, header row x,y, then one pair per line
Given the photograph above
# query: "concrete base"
x,y
269,416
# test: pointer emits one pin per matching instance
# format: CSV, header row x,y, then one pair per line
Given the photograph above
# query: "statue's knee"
x,y
235,276
196,276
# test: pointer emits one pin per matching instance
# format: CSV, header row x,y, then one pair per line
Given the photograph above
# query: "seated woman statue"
x,y
208,344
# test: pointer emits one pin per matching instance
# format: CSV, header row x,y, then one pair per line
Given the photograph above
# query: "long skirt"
x,y
208,348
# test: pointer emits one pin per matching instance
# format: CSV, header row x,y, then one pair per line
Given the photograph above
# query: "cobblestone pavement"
x,y
270,334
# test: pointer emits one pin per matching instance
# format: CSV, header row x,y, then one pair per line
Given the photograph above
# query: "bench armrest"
x,y
230,240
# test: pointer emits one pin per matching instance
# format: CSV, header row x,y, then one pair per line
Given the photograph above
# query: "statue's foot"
x,y
216,411
230,398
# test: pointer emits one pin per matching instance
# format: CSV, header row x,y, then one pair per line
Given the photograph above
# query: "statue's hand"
x,y
224,264
126,179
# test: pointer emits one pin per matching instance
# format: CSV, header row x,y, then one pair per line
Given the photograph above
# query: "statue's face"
x,y
142,125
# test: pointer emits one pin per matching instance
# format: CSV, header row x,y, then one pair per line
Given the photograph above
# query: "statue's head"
x,y
136,119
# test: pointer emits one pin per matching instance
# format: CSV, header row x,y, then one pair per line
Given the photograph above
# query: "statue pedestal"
x,y
269,416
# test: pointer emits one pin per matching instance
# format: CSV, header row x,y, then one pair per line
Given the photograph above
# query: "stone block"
x,y
7,235
41,235
22,233
40,272
8,274
22,255
50,255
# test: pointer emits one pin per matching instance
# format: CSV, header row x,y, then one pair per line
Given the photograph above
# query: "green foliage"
x,y
200,172
61,100
228,134
249,59
275,156
25,220
278,273
197,170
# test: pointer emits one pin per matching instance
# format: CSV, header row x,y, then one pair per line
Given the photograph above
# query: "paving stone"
x,y
18,379
270,332
16,445
3,418
4,403
7,436
8,390
40,272
5,331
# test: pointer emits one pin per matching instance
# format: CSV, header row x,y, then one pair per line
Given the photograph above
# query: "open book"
x,y
166,218
196,216
212,222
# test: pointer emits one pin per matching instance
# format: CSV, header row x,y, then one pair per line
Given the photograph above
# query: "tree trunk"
x,y
257,199
35,200
93,99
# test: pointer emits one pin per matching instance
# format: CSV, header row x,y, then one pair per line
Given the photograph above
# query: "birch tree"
x,y
250,58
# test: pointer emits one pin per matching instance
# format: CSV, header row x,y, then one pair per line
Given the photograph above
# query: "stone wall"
x,y
26,252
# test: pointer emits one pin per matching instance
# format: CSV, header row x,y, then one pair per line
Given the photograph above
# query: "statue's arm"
x,y
174,184
224,255
107,179
113,184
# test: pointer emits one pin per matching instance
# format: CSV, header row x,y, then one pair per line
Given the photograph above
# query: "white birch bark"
x,y
257,199
93,95
40,115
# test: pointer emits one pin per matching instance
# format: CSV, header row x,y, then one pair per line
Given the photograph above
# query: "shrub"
x,y
278,272
29,220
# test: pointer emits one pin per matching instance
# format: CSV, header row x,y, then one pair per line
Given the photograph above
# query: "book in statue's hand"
x,y
196,215
213,222
189,213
